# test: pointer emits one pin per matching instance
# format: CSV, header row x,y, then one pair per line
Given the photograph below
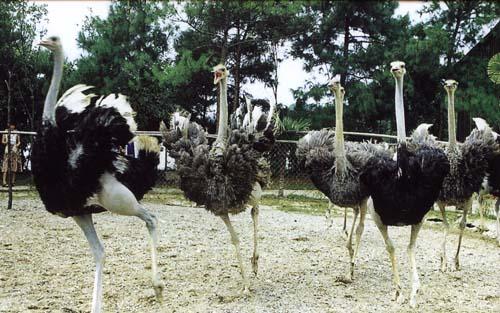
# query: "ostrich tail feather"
x,y
148,143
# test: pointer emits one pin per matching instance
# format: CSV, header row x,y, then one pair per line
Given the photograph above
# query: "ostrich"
x,y
78,169
334,167
404,188
468,165
491,185
224,177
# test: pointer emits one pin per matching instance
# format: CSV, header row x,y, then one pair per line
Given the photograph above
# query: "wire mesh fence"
x,y
286,175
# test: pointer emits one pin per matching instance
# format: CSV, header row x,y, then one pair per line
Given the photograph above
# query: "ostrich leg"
x,y
255,257
359,233
236,243
466,207
118,199
415,281
152,225
344,228
482,208
398,296
349,245
446,229
86,224
497,213
328,215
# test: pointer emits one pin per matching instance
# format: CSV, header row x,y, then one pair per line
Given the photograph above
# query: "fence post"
x,y
281,184
9,147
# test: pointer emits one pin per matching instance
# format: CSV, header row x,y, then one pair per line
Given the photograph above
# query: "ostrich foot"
x,y
444,264
413,295
413,302
246,290
482,228
255,264
158,287
344,279
398,297
457,264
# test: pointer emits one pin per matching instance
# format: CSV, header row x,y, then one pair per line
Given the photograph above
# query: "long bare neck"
x,y
452,130
400,111
51,98
222,130
340,156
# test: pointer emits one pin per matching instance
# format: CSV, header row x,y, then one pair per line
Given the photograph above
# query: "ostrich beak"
x,y
45,43
217,77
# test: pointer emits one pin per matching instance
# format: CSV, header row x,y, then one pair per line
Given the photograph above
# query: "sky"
x,y
65,19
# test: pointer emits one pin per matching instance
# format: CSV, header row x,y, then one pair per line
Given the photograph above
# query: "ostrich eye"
x,y
53,38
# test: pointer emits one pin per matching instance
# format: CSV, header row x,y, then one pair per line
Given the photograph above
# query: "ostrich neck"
x,y
452,131
400,111
51,98
222,129
340,157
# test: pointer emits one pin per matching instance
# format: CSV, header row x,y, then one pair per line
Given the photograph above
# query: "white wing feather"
x,y
121,104
74,100
481,124
256,114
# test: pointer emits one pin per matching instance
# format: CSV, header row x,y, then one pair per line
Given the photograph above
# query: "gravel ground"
x,y
46,265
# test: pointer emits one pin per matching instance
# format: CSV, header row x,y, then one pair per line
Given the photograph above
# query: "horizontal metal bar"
x,y
158,134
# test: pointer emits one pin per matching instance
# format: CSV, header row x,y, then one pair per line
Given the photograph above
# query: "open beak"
x,y
44,43
217,77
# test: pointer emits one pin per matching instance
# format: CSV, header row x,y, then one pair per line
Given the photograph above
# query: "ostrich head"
x,y
398,69
220,73
450,85
335,86
52,43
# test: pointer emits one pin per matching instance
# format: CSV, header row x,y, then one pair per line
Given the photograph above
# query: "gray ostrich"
x,y
224,177
334,167
468,168
491,185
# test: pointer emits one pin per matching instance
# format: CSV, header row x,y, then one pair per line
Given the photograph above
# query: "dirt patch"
x,y
46,265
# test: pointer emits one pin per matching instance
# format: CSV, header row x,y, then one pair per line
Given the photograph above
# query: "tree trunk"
x,y
236,71
345,53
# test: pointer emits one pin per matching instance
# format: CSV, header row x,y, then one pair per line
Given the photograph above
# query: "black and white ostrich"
x,y
334,167
468,166
404,188
78,168
224,176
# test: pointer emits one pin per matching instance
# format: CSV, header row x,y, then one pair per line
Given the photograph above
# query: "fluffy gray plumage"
x,y
222,183
468,167
317,154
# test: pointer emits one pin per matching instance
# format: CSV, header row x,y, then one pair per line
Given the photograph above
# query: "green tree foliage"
x,y
354,39
360,39
128,52
19,34
237,33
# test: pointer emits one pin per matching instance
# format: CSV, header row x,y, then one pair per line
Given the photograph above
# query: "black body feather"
x,y
403,191
69,158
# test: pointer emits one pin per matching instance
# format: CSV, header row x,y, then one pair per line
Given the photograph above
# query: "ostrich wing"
x,y
74,100
477,151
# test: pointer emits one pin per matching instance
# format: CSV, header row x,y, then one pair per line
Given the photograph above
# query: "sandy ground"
x,y
46,266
